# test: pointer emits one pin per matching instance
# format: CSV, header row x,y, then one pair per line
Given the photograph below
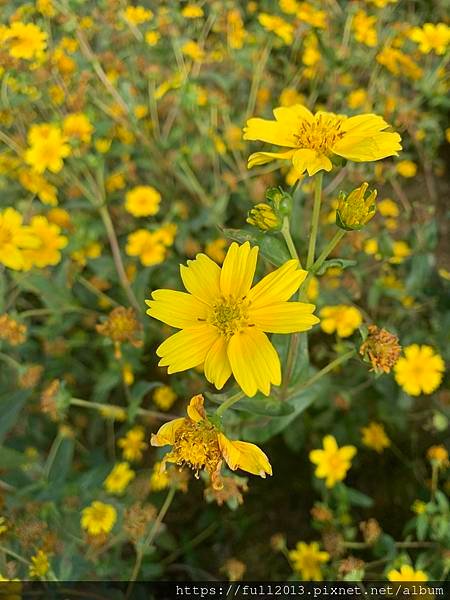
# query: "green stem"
x,y
286,232
10,361
315,220
327,250
335,363
231,400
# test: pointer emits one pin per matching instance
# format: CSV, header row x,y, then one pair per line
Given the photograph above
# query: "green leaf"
x,y
422,527
54,296
62,460
11,404
137,393
342,263
11,459
2,291
357,498
272,248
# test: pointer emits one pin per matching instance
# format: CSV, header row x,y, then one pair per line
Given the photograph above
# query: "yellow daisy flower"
x,y
50,242
332,462
26,40
142,201
374,437
420,370
14,238
133,444
306,559
342,319
312,139
431,37
40,564
223,319
98,518
119,478
406,573
47,149
198,444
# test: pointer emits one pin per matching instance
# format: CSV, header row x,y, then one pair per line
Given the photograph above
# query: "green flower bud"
x,y
280,200
354,210
264,217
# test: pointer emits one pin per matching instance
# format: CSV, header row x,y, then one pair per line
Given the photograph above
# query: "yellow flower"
x,y
164,397
159,478
235,29
364,28
166,233
45,7
354,210
420,370
78,126
381,349
12,331
192,11
279,26
342,319
398,63
312,139
14,239
406,573
439,455
50,242
193,50
419,507
147,246
332,462
388,208
39,564
136,15
37,184
374,437
223,319
98,518
290,96
198,444
401,250
3,525
142,201
133,444
406,168
432,38
216,250
47,148
119,478
357,98
307,559
308,14
26,40
382,3
263,217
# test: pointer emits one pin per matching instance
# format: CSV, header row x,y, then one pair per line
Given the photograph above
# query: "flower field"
x,y
224,291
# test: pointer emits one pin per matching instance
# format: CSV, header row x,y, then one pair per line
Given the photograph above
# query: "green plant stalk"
x,y
328,250
231,400
315,220
286,233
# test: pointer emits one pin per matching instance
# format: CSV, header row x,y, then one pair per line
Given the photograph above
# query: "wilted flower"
x,y
371,531
381,348
11,330
355,210
231,493
234,569
121,326
439,455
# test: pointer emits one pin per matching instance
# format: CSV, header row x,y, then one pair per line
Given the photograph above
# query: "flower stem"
x,y
229,402
327,250
286,232
315,220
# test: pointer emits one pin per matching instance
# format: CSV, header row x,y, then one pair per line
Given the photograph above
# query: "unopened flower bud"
x,y
264,217
354,210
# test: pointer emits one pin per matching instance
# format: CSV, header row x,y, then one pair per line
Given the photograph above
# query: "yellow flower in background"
x,y
357,98
406,573
223,319
364,28
401,250
290,96
3,526
40,564
98,518
399,64
48,148
388,208
277,25
193,50
431,37
216,250
419,507
49,243
192,11
307,559
164,397
142,201
312,139
332,462
78,126
14,239
420,370
133,444
37,184
119,478
147,246
382,3
152,37
308,14
200,445
439,455
342,319
159,478
406,168
137,15
374,437
26,40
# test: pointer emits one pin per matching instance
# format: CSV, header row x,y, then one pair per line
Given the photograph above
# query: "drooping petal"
x,y
277,286
311,161
284,317
261,158
254,361
195,409
177,309
272,132
187,348
201,278
238,270
165,435
245,456
217,366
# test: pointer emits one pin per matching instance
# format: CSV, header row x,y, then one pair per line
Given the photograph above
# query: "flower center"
x,y
229,315
196,447
320,135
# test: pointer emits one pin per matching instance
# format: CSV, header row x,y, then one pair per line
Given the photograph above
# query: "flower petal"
x,y
284,317
217,366
311,160
166,433
177,309
186,348
201,278
195,409
261,158
238,270
254,361
293,115
277,286
377,146
272,132
245,456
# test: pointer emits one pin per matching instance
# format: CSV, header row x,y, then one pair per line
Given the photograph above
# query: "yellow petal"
x,y
272,132
377,146
201,278
293,115
277,286
186,348
238,270
195,410
177,309
311,160
245,456
284,317
329,443
217,366
261,158
364,124
254,361
166,433
315,456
